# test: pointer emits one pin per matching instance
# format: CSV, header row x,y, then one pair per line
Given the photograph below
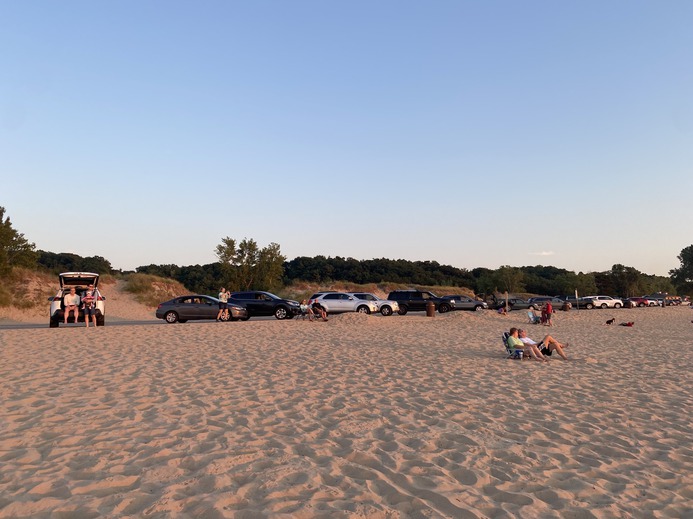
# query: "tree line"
x,y
244,265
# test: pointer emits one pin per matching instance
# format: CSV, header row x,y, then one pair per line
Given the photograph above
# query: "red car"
x,y
639,301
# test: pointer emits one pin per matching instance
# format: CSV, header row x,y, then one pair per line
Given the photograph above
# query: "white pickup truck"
x,y
590,302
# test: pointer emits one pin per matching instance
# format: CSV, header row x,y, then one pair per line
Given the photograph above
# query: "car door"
x,y
248,299
332,303
463,303
264,304
185,308
207,308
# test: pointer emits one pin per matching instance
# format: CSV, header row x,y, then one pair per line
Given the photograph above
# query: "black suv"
x,y
416,300
266,303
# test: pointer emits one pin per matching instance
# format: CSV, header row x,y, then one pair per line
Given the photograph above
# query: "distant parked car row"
x,y
244,305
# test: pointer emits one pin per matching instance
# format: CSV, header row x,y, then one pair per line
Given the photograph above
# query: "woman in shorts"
x,y
223,314
89,305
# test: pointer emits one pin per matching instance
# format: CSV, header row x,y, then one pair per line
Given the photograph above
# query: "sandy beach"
x,y
357,417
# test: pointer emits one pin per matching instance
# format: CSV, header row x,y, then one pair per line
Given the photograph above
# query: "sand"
x,y
357,417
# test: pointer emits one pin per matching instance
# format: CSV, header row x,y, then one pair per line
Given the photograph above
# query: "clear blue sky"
x,y
472,133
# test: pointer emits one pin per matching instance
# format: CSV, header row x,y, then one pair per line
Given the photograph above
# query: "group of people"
x,y
73,302
546,313
313,310
540,351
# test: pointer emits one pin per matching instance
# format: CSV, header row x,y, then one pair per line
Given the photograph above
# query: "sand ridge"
x,y
360,416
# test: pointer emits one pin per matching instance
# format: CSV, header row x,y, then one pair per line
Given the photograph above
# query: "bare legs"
x,y
553,345
531,350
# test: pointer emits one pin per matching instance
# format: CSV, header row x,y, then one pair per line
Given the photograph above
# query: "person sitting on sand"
x,y
71,302
546,346
528,350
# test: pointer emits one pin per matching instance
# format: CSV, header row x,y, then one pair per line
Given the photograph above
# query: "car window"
x,y
331,296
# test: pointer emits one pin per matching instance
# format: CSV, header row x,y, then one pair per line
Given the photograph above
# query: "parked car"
x,y
417,300
516,303
556,302
265,303
639,302
196,307
467,303
385,306
341,302
80,281
600,302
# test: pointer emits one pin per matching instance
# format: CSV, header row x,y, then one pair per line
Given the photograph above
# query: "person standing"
x,y
71,302
223,297
549,314
89,305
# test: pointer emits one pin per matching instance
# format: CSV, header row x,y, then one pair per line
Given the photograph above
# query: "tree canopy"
x,y
15,249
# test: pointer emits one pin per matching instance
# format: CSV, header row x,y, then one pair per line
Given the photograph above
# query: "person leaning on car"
x,y
71,301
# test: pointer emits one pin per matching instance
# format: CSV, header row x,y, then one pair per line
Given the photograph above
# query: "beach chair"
x,y
533,318
512,353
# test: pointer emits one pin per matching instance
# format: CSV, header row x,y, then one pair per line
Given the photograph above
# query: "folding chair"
x,y
512,353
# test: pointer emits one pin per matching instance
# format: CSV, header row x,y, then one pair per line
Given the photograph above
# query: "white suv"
x,y
80,281
601,302
385,306
340,302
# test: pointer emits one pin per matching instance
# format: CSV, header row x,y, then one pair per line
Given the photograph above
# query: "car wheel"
x,y
101,321
53,324
478,308
641,305
363,309
403,310
617,305
171,317
443,309
281,313
224,317
386,310
604,305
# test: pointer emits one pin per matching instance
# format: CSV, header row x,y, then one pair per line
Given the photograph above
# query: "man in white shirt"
x,y
71,301
547,345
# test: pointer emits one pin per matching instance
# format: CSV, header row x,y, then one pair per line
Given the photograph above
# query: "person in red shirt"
x,y
549,314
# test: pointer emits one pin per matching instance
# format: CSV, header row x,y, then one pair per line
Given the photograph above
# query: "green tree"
x,y
245,266
682,277
625,280
227,253
271,268
509,279
15,249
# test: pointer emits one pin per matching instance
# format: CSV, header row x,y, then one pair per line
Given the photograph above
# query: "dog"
x,y
611,321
